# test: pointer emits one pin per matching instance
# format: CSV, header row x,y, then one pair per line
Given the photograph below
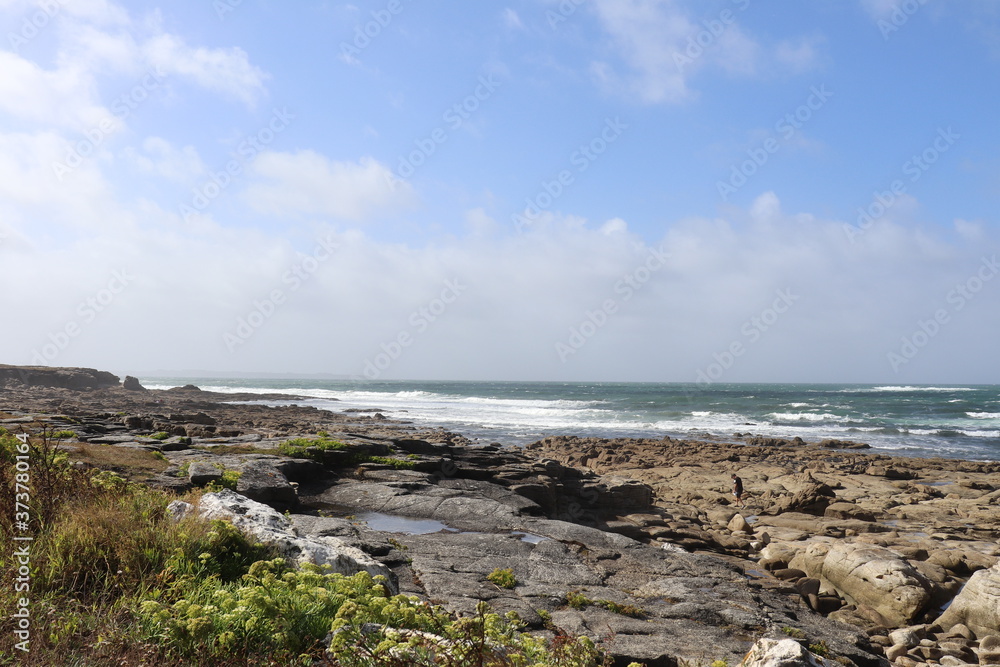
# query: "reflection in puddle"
x,y
387,523
529,538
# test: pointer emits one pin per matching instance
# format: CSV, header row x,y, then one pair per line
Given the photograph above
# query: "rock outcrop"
x,y
781,653
78,379
977,606
877,578
271,528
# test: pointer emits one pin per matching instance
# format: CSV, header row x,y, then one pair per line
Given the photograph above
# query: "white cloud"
x,y
520,294
307,183
160,157
511,19
227,71
64,97
797,56
662,47
648,34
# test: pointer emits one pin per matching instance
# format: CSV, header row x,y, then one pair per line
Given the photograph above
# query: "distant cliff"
x,y
67,378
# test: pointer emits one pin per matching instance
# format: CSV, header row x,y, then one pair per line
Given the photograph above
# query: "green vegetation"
x,y
577,600
720,663
229,480
116,580
161,435
63,435
304,448
820,648
794,633
503,578
233,449
398,464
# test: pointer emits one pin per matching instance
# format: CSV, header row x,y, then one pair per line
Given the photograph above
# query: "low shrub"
x,y
503,578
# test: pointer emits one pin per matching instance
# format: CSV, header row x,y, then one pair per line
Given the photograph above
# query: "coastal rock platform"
x,y
635,543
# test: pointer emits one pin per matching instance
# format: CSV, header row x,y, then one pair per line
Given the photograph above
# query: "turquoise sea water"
x,y
953,421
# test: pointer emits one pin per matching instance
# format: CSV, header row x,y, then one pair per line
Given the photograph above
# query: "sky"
x,y
560,190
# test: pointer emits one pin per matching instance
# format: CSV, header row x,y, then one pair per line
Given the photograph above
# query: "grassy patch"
x,y
503,578
305,448
136,464
820,648
235,449
63,435
161,435
577,600
398,464
229,480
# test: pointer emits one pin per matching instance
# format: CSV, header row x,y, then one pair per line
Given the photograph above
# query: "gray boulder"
x,y
263,482
878,578
977,605
783,653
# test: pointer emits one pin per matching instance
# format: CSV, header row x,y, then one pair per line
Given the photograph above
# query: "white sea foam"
x,y
912,388
807,416
510,413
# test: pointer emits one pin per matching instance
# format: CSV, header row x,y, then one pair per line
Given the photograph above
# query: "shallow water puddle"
x,y
529,538
388,523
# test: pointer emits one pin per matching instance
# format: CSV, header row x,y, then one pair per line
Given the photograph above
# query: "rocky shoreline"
x,y
632,542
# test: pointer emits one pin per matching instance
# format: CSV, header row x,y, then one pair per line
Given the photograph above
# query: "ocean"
x,y
956,421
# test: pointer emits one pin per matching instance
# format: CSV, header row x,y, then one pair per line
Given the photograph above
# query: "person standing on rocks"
x,y
738,490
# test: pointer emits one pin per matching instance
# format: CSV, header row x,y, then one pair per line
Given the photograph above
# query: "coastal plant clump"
x,y
504,578
286,614
577,600
229,480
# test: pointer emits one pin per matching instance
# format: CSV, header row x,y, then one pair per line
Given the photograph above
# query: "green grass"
x,y
161,435
229,480
577,600
305,448
398,464
503,578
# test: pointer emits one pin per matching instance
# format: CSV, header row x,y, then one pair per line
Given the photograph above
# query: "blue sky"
x,y
658,190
